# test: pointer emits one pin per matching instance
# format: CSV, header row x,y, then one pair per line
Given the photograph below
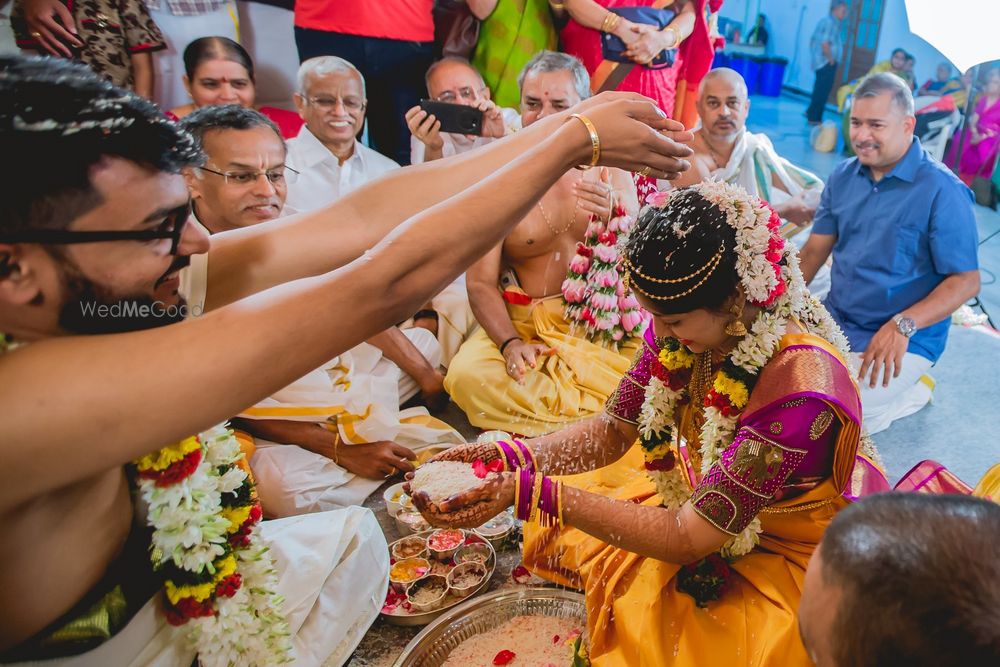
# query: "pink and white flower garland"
x,y
593,290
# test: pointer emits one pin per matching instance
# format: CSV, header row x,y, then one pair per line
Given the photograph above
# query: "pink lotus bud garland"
x,y
593,290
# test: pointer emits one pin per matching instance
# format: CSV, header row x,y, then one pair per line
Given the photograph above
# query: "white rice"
x,y
443,479
532,639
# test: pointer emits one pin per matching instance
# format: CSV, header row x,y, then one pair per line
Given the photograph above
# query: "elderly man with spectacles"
x,y
326,152
245,179
455,81
333,436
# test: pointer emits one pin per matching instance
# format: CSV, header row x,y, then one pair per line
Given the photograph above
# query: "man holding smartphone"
x,y
529,369
455,81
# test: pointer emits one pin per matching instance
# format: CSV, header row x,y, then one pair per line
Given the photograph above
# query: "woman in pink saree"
x,y
674,88
982,136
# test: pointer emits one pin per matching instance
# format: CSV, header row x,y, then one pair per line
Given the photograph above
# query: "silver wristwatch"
x,y
905,325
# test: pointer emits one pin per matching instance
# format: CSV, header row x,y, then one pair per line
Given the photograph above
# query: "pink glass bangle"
x,y
525,482
527,454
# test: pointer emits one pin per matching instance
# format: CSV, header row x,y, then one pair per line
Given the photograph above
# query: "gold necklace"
x,y
548,223
712,153
702,379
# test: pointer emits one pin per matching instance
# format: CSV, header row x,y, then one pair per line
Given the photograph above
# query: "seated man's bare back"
x,y
56,547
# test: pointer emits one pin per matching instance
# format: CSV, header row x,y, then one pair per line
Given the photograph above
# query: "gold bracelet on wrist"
x,y
611,21
676,39
595,141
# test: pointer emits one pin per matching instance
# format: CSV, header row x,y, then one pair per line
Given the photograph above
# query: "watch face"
x,y
906,326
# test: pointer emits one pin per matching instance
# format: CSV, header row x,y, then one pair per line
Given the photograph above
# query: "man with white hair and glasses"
x,y
332,101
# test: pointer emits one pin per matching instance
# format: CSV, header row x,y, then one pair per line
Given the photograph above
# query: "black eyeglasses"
x,y
171,228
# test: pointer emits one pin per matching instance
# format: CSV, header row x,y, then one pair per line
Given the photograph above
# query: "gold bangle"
x,y
558,6
517,493
521,463
595,141
536,494
336,446
611,21
529,455
503,457
673,32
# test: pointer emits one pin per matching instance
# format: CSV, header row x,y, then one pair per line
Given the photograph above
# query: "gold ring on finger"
x,y
36,34
646,171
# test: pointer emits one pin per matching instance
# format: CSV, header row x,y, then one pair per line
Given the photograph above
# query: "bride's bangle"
x,y
514,457
537,498
595,140
527,454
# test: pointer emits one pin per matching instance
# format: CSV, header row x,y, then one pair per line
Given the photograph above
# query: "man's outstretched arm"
x,y
77,406
246,261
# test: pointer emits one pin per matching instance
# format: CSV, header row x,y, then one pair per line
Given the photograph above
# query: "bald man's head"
x,y
723,104
730,78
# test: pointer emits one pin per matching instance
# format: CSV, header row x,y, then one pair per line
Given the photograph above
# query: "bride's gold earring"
x,y
735,327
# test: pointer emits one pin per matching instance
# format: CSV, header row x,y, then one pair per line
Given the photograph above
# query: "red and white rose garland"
x,y
220,578
593,290
770,275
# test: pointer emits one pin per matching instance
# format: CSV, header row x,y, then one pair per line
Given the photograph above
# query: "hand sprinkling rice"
x,y
441,480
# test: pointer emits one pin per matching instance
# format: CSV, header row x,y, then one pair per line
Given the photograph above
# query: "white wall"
x,y
792,23
267,33
896,34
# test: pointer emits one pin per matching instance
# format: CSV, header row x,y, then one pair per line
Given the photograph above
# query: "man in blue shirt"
x,y
903,236
825,48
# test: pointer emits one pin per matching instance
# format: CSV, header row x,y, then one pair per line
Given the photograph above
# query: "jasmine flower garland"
x,y
771,279
220,578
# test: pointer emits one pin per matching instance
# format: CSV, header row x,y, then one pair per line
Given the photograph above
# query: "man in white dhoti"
x,y
332,437
97,371
724,150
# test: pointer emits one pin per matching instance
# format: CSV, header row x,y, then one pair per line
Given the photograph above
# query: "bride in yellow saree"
x,y
691,545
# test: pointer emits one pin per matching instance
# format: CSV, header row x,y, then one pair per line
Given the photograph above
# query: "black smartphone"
x,y
455,118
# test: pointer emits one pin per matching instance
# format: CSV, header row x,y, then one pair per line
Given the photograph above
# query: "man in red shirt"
x,y
390,42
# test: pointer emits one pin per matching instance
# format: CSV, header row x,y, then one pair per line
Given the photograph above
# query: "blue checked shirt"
x,y
827,30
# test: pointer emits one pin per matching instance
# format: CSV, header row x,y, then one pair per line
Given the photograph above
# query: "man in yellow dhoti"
x,y
88,245
544,358
354,400
748,421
